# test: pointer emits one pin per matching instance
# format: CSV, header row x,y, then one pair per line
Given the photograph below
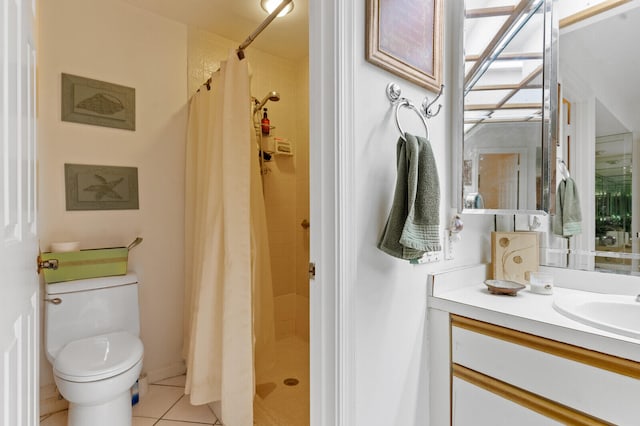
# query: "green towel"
x,y
412,228
568,218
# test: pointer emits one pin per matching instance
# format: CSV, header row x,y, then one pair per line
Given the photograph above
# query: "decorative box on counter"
x,y
83,264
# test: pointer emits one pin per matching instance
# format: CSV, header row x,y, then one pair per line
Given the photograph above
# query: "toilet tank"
x,y
88,308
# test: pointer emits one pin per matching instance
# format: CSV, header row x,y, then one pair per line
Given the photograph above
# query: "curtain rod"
x,y
261,27
255,34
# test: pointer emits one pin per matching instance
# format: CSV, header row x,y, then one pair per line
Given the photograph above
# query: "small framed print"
x,y
98,103
90,187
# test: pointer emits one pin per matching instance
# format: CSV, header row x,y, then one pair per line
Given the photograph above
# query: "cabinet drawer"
x,y
603,386
470,404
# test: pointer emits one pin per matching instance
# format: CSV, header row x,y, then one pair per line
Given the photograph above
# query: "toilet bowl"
x,y
96,374
92,342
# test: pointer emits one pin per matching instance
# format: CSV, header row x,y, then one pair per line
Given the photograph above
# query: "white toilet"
x,y
91,338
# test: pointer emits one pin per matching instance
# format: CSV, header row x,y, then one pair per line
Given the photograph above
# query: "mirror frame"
x,y
549,115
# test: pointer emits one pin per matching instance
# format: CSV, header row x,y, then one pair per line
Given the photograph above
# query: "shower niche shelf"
x,y
283,146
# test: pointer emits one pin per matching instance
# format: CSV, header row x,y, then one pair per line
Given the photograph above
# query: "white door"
x,y
19,304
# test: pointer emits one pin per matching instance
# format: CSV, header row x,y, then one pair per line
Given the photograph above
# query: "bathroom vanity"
x,y
516,360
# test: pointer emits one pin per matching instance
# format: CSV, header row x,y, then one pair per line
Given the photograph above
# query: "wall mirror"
x,y
599,136
509,107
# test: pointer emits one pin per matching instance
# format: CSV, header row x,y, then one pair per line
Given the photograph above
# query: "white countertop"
x,y
531,313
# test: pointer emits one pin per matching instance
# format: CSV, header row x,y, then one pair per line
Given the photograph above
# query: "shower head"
x,y
271,96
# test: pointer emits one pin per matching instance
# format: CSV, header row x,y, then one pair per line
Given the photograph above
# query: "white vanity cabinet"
x,y
500,376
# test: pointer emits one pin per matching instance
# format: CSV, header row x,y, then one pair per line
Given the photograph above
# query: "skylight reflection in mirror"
x,y
503,61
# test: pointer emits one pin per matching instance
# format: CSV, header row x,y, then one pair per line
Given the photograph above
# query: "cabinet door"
x,y
563,375
474,406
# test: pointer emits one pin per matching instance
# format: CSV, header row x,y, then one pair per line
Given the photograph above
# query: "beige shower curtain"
x,y
229,323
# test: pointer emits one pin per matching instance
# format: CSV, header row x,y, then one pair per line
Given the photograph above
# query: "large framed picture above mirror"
x,y
506,125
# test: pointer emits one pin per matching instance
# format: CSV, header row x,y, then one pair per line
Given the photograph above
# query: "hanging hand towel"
x,y
568,218
412,228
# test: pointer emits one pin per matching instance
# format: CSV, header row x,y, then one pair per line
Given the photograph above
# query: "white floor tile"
x,y
157,401
175,423
173,381
143,421
281,404
184,411
57,419
216,407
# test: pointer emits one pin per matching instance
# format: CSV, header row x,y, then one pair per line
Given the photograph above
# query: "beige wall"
x,y
286,180
114,42
165,62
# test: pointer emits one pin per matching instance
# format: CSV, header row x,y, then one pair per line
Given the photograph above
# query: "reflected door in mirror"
x,y
498,176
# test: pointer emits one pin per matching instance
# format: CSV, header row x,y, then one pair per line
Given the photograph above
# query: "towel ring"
x,y
404,102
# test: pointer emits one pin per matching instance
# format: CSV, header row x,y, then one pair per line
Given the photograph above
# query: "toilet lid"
x,y
98,357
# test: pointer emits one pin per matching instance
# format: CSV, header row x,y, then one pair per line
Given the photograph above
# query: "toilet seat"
x,y
98,357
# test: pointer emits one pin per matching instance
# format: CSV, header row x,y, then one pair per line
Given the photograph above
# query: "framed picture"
x,y
514,255
98,103
405,38
91,187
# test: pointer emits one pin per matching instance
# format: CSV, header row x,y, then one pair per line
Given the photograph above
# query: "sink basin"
x,y
615,313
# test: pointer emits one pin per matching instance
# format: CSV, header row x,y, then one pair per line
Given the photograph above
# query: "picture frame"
x,y
98,103
414,55
514,255
93,187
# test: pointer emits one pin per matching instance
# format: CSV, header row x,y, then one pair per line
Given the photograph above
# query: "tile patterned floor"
x,y
164,405
276,404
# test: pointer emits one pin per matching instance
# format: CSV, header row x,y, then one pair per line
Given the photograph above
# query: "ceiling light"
x,y
270,5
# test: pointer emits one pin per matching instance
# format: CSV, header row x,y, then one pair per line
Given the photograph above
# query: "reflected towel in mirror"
x,y
568,218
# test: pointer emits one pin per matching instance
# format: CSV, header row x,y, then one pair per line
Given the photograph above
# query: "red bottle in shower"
x,y
265,123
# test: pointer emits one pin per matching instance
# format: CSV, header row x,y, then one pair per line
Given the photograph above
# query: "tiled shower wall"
x,y
286,181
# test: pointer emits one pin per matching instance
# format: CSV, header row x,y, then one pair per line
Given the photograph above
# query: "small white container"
x,y
541,282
